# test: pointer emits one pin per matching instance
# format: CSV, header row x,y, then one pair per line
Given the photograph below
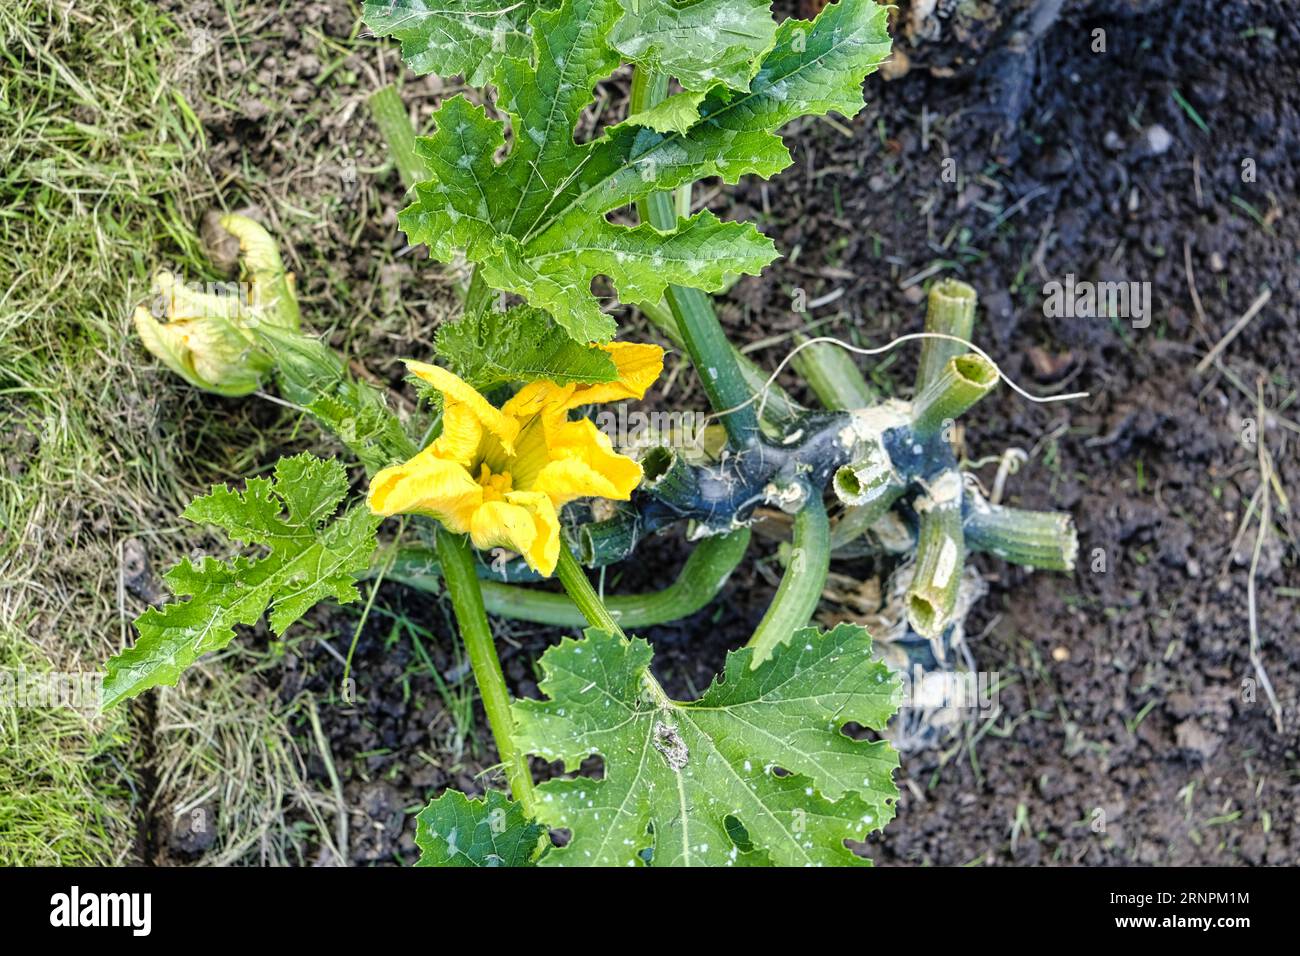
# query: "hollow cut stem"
x,y
940,554
950,311
1044,540
962,382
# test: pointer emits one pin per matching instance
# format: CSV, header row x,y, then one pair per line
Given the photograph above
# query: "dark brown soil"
x,y
1132,727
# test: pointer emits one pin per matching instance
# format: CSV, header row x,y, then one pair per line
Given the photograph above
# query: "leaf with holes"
x,y
310,555
455,830
759,768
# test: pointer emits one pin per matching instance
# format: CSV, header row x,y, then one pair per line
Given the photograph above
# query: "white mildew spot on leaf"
x,y
675,772
669,743
536,224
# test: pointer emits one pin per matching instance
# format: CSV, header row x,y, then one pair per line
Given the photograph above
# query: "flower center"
x,y
495,487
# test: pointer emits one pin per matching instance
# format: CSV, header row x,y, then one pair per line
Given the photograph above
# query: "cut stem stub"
x,y
940,554
962,382
951,311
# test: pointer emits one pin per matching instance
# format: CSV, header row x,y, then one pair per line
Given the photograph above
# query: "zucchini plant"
x,y
507,479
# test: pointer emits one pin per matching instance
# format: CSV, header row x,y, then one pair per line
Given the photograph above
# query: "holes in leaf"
x,y
738,834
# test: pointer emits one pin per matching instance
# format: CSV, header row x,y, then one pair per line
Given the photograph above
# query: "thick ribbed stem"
x,y
467,600
801,585
395,127
940,554
951,311
961,383
1037,539
778,409
833,376
702,335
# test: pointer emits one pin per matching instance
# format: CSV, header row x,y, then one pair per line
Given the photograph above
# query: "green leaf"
x,y
454,830
536,224
676,114
702,43
310,373
682,780
310,556
520,345
447,37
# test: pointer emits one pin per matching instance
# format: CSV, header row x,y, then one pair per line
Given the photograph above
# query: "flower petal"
x,y
209,353
427,485
467,415
534,397
525,522
584,464
638,364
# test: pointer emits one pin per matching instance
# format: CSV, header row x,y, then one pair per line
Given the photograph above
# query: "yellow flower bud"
x,y
208,339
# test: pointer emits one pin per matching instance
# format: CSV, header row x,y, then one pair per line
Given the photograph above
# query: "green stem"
x,y
477,296
951,311
597,614
779,411
702,334
395,126
575,581
961,383
801,585
471,616
940,554
701,578
839,385
1045,540
833,376
857,520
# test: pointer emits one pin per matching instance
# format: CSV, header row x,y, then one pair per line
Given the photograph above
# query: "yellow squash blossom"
x,y
501,475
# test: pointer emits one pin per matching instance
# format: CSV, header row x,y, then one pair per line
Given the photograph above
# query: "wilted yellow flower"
x,y
501,475
202,341
273,295
207,339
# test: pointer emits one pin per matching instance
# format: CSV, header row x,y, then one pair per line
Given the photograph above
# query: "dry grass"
x,y
101,173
